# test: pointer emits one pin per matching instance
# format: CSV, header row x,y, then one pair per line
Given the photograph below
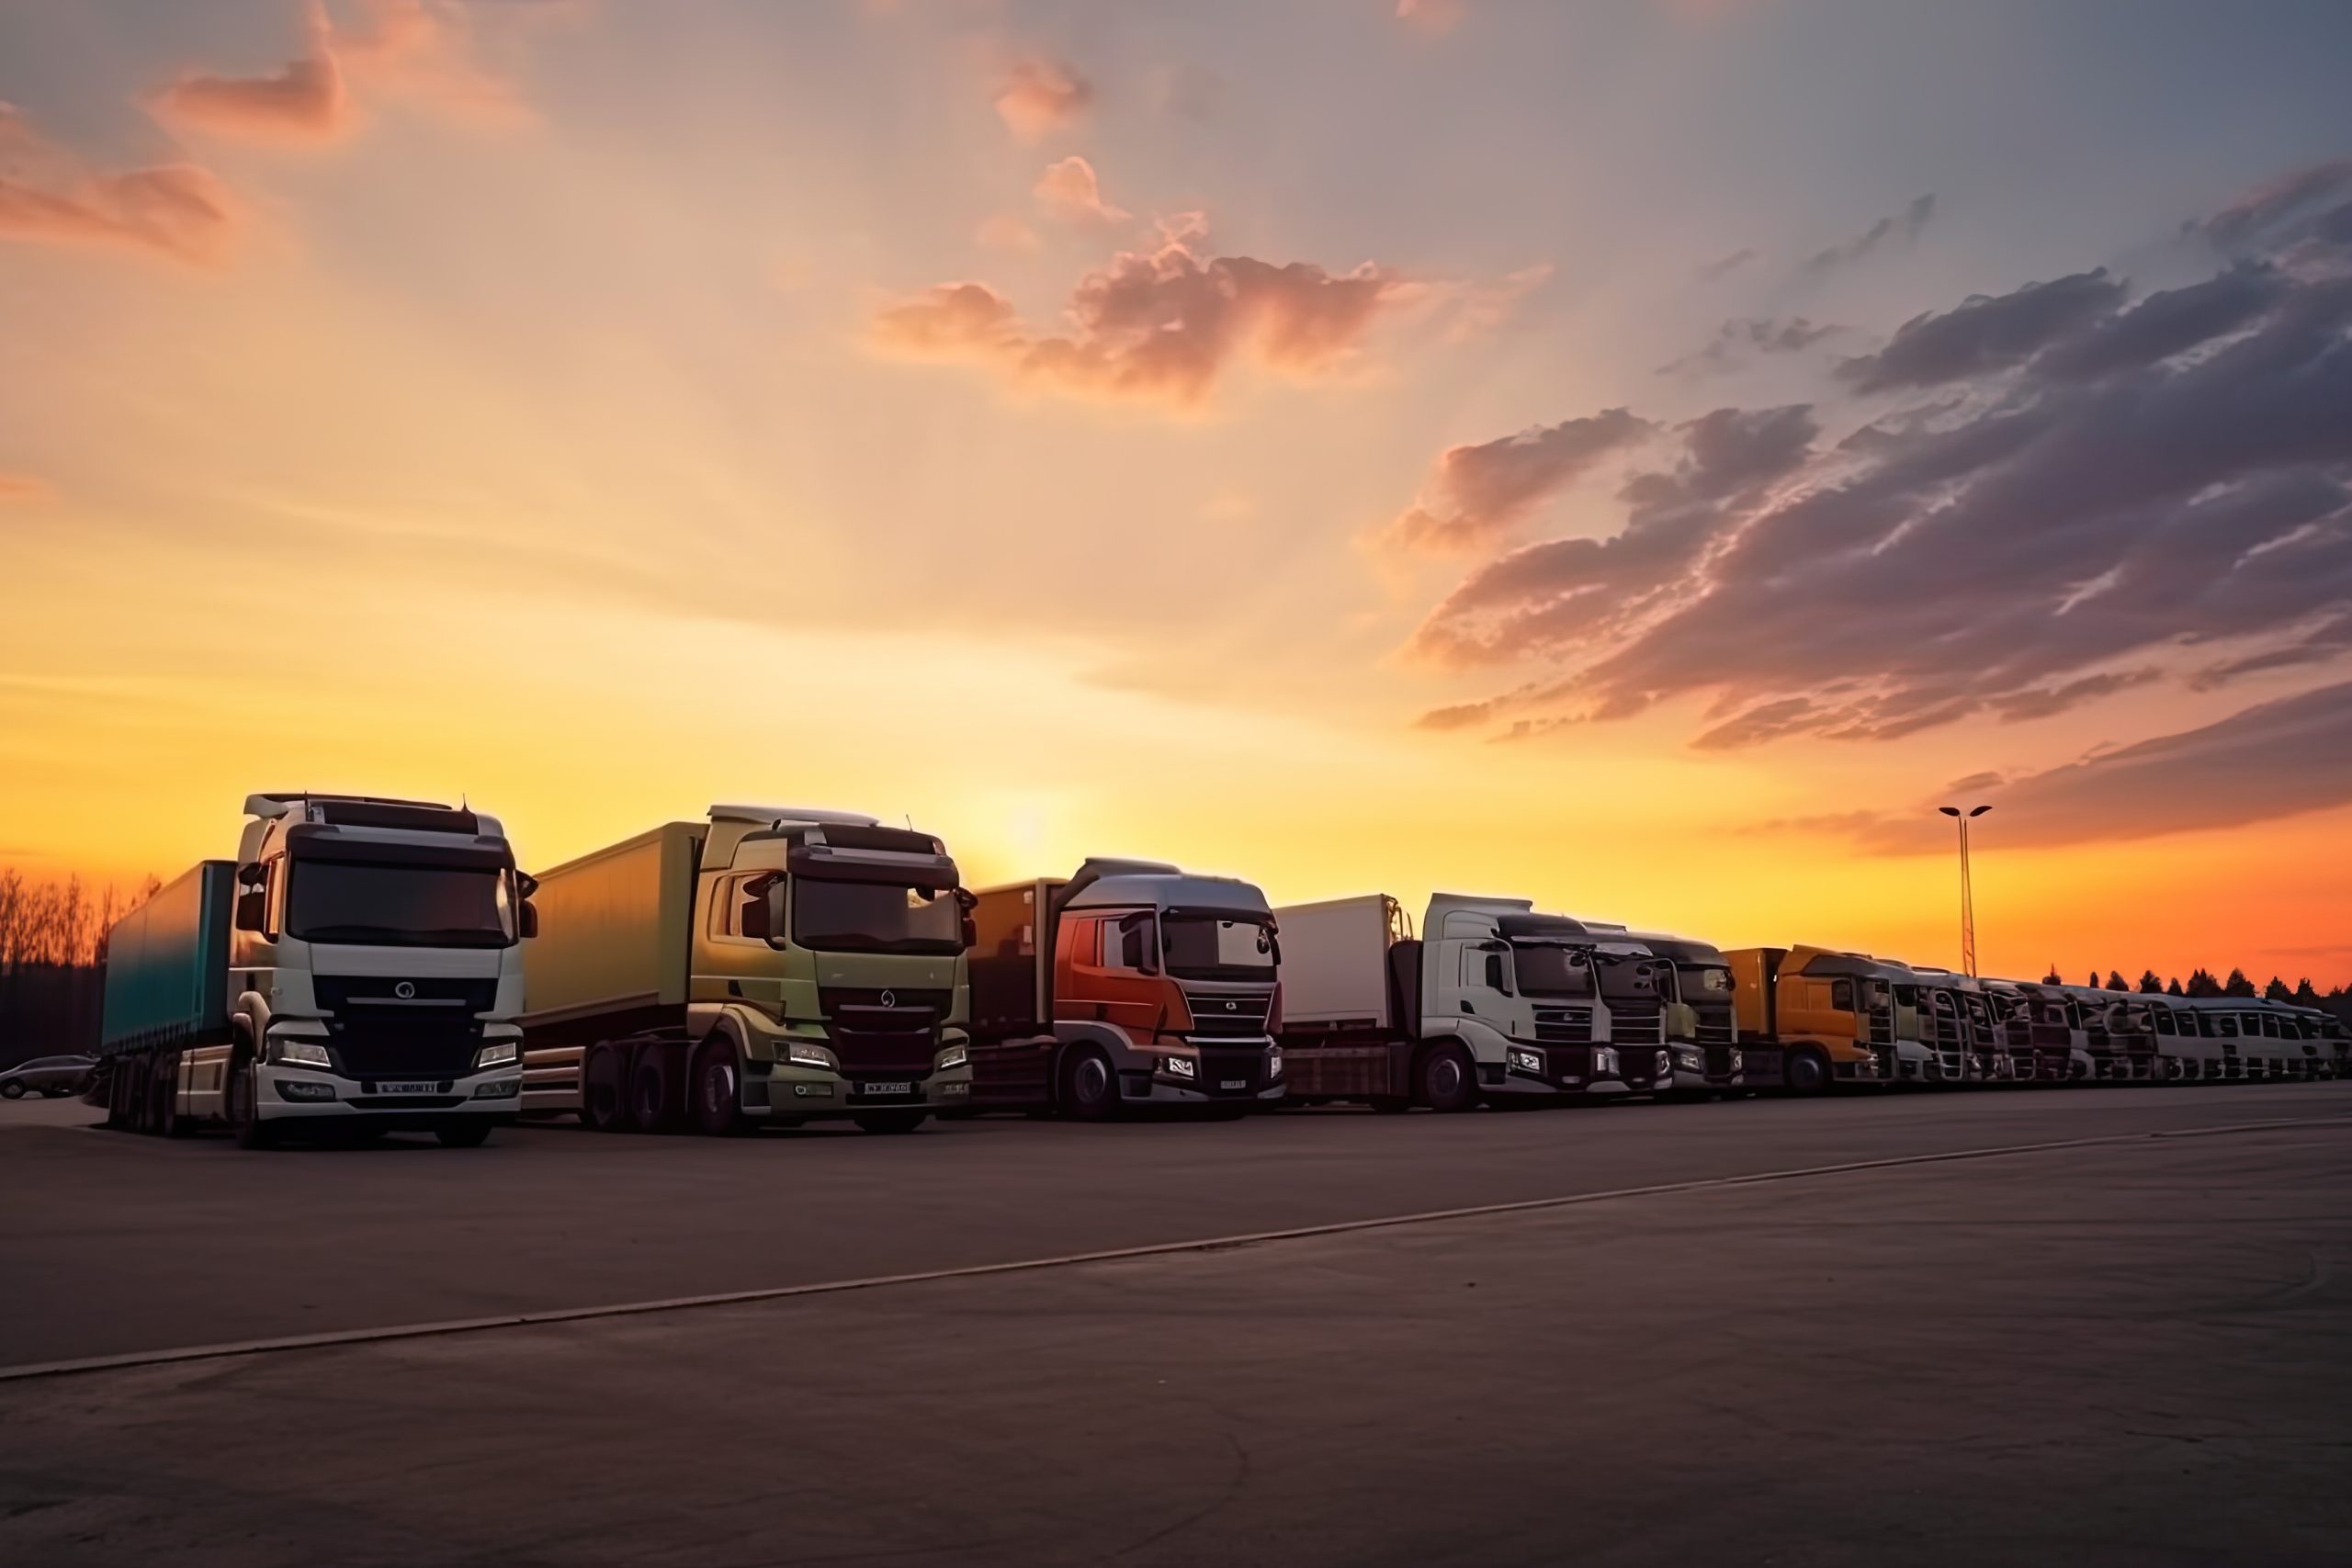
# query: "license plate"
x,y
403,1086
882,1088
1233,1083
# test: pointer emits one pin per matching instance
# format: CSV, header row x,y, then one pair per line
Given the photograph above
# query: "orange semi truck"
x,y
1127,984
1811,1016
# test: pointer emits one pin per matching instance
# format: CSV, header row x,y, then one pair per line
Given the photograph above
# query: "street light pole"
x,y
1967,889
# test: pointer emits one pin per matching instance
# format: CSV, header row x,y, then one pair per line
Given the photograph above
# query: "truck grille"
x,y
1636,1024
885,1032
1229,1014
1564,1026
1222,1064
430,1033
1714,1026
1881,1026
373,996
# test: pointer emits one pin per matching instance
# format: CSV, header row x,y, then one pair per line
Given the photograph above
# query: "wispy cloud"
x,y
1038,97
178,210
1906,225
1070,191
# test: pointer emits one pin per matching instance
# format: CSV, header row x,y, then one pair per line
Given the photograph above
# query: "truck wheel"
x,y
717,1093
1446,1079
889,1121
463,1135
1090,1088
12,1091
604,1090
242,1095
655,1099
162,1093
1808,1071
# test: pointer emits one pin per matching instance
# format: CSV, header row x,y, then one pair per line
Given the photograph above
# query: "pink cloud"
x,y
179,211
1159,326
1038,98
1435,17
410,49
1070,191
1478,494
304,100
21,488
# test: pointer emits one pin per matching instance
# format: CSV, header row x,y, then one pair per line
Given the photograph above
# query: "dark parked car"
x,y
50,1076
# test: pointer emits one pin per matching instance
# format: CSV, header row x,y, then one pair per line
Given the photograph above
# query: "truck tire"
x,y
1808,1071
653,1097
12,1091
162,1093
242,1101
463,1135
1446,1079
889,1121
717,1091
603,1088
1089,1085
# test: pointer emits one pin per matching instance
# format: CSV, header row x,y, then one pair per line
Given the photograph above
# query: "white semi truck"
x,y
357,968
1493,1003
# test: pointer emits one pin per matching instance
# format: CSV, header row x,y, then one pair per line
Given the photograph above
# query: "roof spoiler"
x,y
1097,867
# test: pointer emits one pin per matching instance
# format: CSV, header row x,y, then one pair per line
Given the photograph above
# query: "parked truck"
x,y
356,969
1702,1025
1813,1017
768,965
1127,984
1493,1003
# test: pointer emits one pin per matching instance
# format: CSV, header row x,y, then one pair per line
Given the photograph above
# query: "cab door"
x,y
1120,976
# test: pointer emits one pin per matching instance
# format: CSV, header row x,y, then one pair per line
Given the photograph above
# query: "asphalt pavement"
x,y
2098,1326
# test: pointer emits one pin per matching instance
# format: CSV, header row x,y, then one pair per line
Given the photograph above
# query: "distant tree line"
x,y
53,961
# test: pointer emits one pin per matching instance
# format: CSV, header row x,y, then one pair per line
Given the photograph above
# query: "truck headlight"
x,y
954,1056
303,1053
1181,1067
497,1055
1737,1060
1604,1060
805,1055
1689,1061
1526,1061
1274,1064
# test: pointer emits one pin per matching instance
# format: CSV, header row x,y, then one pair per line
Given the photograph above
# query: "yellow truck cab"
x,y
1810,1017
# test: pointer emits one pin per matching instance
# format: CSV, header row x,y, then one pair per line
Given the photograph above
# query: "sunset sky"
x,y
1640,455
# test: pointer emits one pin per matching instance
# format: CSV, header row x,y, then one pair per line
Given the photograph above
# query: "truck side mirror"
x,y
526,921
253,892
966,902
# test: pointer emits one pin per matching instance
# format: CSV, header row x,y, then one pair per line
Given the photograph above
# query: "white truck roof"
x,y
738,813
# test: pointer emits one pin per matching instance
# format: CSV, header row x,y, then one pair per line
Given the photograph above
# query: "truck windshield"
x,y
1625,976
1210,947
1549,969
1703,982
874,917
399,906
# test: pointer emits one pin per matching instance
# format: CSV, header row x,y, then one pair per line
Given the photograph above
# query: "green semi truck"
x,y
768,965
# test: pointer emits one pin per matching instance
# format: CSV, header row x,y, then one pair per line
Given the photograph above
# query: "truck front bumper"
x,y
313,1094
806,1093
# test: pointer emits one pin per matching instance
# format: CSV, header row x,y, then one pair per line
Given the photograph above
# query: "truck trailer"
x,y
1813,1017
768,965
1127,984
1492,1003
356,969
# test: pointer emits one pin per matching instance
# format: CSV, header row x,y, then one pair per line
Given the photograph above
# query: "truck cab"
x,y
375,964
1127,984
1811,1016
1548,1004
1702,1025
770,965
1957,1038
2059,1041
2117,1054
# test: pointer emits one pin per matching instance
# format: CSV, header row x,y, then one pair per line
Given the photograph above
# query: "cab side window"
x,y
273,920
1841,995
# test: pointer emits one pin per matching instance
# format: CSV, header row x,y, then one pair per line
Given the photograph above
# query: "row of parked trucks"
x,y
368,964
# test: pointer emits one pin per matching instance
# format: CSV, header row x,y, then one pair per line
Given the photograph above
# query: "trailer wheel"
x,y
604,1098
889,1121
463,1135
1808,1071
718,1091
1090,1088
1446,1079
